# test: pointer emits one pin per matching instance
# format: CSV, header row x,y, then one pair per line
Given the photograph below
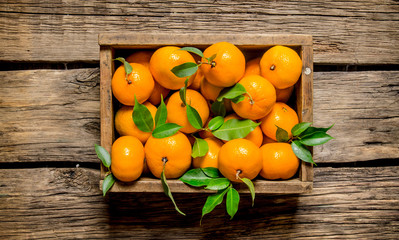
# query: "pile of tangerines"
x,y
185,79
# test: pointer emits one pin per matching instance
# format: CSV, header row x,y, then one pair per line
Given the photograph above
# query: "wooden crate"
x,y
114,45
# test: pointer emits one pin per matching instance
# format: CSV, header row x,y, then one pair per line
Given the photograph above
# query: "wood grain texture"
x,y
54,115
49,115
364,106
350,32
64,203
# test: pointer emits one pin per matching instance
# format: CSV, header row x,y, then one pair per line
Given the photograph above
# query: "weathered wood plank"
x,y
49,115
54,115
365,109
350,32
347,203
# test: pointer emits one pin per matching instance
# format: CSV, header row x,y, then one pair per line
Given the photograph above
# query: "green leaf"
x,y
193,117
108,182
251,188
195,177
238,99
166,130
212,201
142,117
235,128
232,201
167,191
211,172
193,50
185,70
300,128
182,92
210,59
281,135
317,138
218,109
161,114
231,92
218,184
302,152
312,130
126,65
200,148
103,155
215,123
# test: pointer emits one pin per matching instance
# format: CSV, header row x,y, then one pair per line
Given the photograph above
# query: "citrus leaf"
x,y
212,201
103,155
182,92
167,191
300,128
218,184
251,188
215,123
312,130
211,58
231,92
161,114
200,148
195,177
302,152
193,50
218,108
317,138
142,117
108,182
238,99
211,172
193,117
185,70
235,128
166,130
232,201
126,65
281,135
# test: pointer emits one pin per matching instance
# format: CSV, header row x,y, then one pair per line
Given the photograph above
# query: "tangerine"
x,y
162,62
282,66
125,125
279,161
173,151
211,157
282,116
239,158
139,83
252,67
177,110
127,154
259,99
227,68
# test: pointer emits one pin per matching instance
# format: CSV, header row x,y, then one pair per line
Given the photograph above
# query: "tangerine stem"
x,y
127,79
272,67
238,173
164,160
251,100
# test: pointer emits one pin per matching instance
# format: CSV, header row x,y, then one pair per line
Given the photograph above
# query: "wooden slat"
x,y
350,32
54,115
364,106
49,115
347,203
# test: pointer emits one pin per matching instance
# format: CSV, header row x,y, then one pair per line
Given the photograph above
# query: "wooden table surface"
x,y
50,120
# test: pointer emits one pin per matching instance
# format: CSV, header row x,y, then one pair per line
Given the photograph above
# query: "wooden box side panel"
x,y
106,104
305,102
